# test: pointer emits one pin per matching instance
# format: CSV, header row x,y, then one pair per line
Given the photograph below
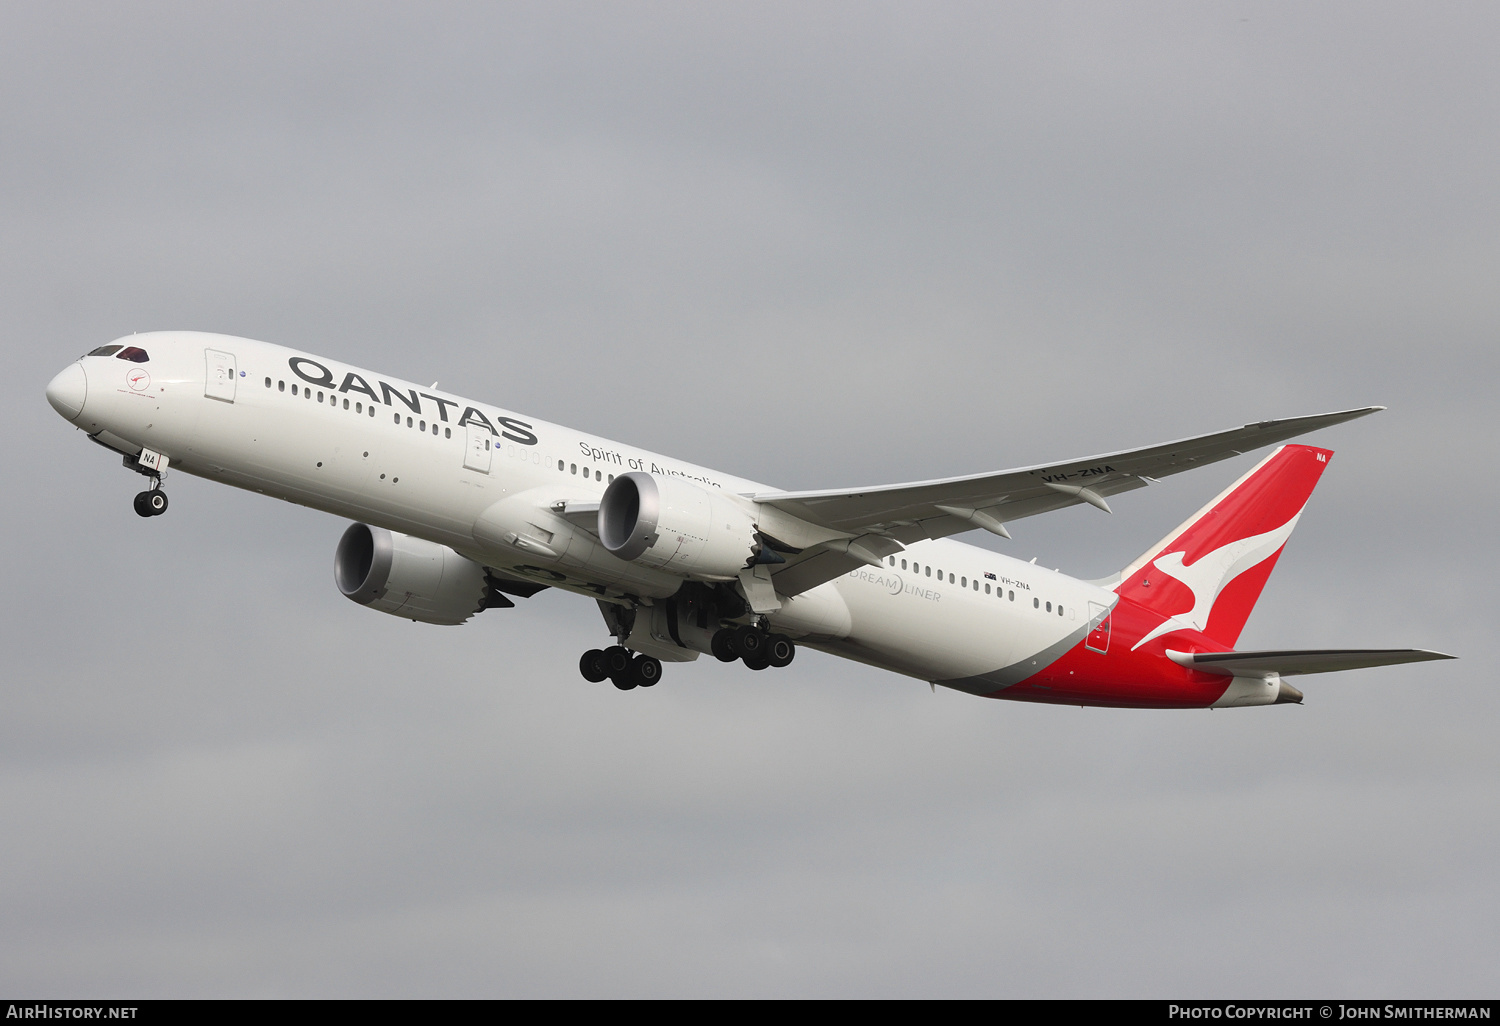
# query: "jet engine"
x,y
676,526
408,577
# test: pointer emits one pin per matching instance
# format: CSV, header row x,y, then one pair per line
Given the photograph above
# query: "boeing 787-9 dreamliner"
x,y
460,506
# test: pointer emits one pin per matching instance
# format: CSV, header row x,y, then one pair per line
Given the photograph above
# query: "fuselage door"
x,y
219,382
478,449
1098,636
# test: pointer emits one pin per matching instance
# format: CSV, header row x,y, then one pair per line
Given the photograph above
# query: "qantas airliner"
x,y
460,506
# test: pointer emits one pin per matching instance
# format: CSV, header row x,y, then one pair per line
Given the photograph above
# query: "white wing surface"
x,y
867,524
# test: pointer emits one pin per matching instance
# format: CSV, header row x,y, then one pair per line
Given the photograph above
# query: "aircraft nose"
x,y
67,391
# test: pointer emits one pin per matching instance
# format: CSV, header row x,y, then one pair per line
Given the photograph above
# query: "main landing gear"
x,y
616,664
756,648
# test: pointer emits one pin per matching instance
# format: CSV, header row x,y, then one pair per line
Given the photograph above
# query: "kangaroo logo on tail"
x,y
1235,538
1211,574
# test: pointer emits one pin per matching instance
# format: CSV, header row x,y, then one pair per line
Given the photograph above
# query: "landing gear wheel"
x,y
757,661
157,500
780,651
723,645
593,666
748,641
617,661
645,671
143,505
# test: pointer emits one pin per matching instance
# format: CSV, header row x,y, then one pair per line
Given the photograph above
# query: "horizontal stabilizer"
x,y
1311,660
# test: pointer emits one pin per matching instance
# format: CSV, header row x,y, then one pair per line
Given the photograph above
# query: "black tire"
x,y
616,660
157,500
780,651
757,661
723,645
645,671
593,666
143,505
748,641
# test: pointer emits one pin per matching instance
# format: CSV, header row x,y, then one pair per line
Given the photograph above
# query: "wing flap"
x,y
1292,662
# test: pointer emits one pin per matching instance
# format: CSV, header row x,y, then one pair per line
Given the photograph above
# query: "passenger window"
x,y
268,382
434,431
986,589
346,404
1036,603
422,427
903,564
1049,607
320,397
611,479
105,351
976,586
447,432
359,407
408,420
294,388
559,464
281,386
372,411
963,582
950,578
891,560
574,467
1012,597
397,421
929,571
132,354
598,475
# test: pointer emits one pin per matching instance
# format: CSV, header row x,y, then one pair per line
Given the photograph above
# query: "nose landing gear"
x,y
152,503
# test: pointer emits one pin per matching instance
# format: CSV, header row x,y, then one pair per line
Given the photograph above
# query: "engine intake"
x,y
676,526
408,577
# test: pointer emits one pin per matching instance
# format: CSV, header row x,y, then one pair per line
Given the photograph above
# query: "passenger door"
x,y
1098,636
218,383
478,447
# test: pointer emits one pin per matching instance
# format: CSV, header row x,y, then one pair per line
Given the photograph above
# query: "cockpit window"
x,y
106,351
133,354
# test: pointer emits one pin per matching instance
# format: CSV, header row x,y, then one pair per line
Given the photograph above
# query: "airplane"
x,y
460,506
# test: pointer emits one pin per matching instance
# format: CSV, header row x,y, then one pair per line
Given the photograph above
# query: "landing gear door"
x,y
1098,636
219,382
478,448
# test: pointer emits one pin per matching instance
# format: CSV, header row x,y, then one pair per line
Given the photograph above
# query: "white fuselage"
x,y
438,466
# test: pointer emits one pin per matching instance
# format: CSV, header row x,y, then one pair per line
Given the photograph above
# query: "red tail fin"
x,y
1207,574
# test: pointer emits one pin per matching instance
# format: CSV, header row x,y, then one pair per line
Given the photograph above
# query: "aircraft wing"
x,y
868,524
1260,664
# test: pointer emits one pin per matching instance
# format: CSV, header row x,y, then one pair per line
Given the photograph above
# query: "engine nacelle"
x,y
408,577
676,526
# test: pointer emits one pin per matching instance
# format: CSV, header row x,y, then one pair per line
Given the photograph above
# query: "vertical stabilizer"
x,y
1207,574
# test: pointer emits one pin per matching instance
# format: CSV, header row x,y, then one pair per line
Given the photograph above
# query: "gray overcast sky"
x,y
814,245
